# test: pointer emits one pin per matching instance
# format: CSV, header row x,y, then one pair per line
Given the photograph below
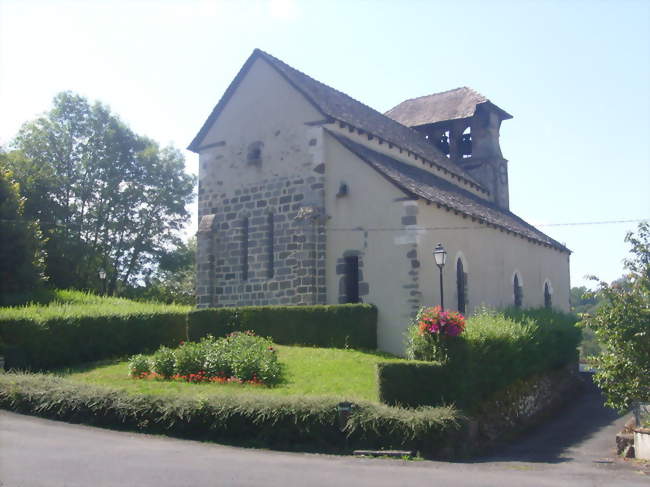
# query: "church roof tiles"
x,y
423,184
449,105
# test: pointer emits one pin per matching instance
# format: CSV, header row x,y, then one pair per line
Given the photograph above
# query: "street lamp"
x,y
440,255
102,276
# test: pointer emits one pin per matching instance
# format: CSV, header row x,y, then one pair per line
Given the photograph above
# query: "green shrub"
x,y
242,356
305,423
339,326
217,359
163,362
251,357
189,358
139,365
64,334
495,350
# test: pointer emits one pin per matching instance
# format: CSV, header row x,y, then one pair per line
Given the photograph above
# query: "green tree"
x,y
174,279
21,253
622,326
107,197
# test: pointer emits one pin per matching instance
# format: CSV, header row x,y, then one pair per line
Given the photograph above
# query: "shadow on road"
x,y
583,430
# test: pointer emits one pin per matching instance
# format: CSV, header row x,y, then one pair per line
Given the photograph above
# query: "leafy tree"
x,y
622,325
174,280
584,300
107,197
21,254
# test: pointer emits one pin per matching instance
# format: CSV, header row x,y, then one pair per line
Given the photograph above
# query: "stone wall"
x,y
260,244
524,403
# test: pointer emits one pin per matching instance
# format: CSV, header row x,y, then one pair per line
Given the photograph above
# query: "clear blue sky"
x,y
575,75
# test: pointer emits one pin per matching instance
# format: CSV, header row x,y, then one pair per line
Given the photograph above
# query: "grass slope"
x,y
344,374
71,303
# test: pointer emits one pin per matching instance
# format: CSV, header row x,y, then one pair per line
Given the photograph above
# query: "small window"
x,y
352,279
461,286
518,292
254,155
244,249
548,298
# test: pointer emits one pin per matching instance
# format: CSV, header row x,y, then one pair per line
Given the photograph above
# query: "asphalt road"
x,y
575,448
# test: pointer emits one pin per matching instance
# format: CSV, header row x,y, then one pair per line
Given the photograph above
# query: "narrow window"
x,y
548,300
352,279
518,292
244,249
461,286
269,249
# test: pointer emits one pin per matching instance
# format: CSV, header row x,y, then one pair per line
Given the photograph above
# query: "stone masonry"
x,y
260,244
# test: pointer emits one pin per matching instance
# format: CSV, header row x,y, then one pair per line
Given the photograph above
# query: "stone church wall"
x,y
261,198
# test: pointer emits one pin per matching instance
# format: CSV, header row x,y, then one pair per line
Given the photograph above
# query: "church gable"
x,y
260,193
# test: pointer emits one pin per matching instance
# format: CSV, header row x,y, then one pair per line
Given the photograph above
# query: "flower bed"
x,y
432,333
238,357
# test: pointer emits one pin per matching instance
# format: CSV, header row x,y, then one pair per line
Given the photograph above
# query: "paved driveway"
x,y
573,449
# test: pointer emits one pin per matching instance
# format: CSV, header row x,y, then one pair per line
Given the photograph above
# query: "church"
x,y
308,196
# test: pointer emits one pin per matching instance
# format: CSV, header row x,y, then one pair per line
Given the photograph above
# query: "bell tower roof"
x,y
456,104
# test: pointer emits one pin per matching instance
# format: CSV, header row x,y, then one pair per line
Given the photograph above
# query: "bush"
x,y
76,327
251,357
163,362
139,365
244,357
432,332
64,334
189,358
496,350
622,326
277,422
338,326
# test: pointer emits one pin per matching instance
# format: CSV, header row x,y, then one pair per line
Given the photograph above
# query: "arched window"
x,y
548,298
518,292
461,286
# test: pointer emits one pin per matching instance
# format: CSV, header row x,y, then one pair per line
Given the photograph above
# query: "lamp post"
x,y
440,256
102,276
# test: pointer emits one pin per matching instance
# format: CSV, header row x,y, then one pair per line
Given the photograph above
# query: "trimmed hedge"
x,y
495,351
43,344
334,326
279,422
85,328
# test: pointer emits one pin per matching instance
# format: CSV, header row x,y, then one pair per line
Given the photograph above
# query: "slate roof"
x,y
448,105
337,105
423,184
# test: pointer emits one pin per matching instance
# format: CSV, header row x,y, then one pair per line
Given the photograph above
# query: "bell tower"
x,y
464,126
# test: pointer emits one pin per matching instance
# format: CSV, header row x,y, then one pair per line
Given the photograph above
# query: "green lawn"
x,y
346,374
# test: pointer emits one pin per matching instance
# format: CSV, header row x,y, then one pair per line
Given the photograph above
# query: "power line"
x,y
481,227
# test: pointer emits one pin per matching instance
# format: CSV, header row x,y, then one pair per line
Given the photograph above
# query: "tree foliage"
x,y
174,279
622,325
107,197
21,253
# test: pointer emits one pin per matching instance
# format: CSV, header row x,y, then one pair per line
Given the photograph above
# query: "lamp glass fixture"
x,y
440,255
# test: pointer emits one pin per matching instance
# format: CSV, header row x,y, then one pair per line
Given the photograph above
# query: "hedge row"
x,y
496,350
293,423
339,326
68,340
44,337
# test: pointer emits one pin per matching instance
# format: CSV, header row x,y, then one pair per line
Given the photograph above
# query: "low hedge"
x,y
79,327
279,422
496,350
339,326
43,342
